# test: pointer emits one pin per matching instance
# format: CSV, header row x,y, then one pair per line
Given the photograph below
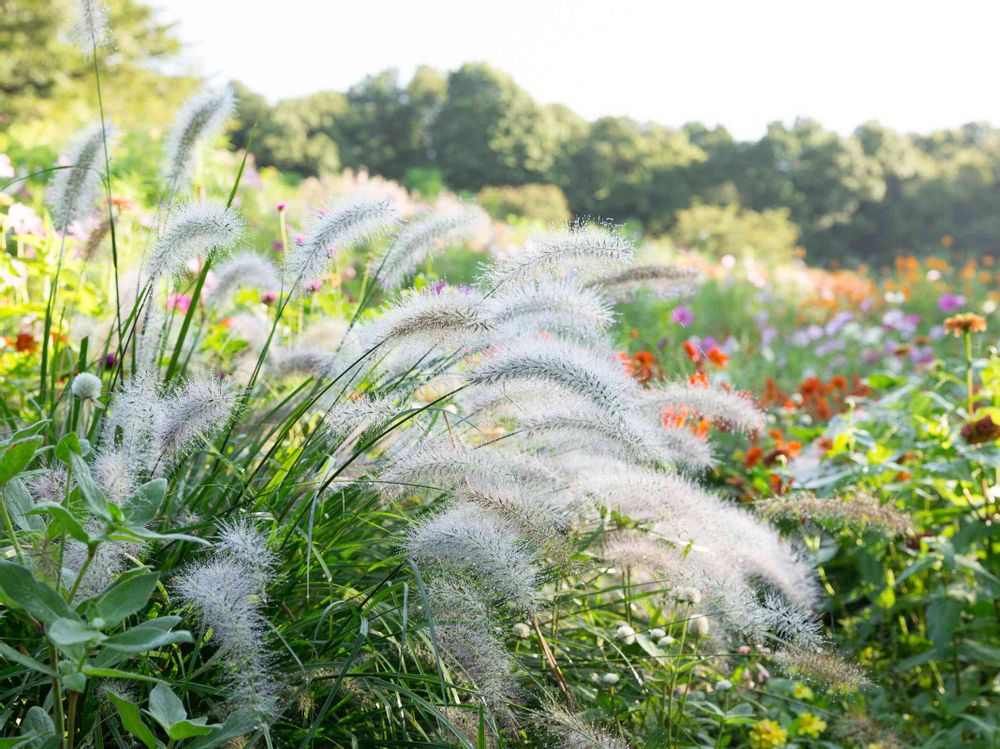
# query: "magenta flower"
x,y
179,302
281,207
313,286
951,302
269,297
682,316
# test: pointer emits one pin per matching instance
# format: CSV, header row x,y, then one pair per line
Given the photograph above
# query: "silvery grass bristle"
x,y
734,410
470,541
240,270
197,229
90,29
573,732
487,664
345,223
130,422
858,510
72,193
198,409
360,415
534,515
590,374
200,119
559,307
242,542
664,281
420,239
822,666
425,318
582,246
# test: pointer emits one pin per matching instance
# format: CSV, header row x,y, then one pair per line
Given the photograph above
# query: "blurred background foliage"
x,y
800,188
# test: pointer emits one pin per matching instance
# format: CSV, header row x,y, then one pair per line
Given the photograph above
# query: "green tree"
x,y
490,131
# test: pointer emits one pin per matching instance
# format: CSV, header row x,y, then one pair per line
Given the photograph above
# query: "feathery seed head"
x,y
732,409
665,281
193,229
421,238
560,307
344,224
244,544
581,246
200,408
427,318
90,26
243,269
73,190
198,121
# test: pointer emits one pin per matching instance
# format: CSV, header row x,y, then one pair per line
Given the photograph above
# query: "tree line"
x,y
872,194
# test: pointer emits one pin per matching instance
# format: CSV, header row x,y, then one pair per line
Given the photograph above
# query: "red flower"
x,y
717,358
691,350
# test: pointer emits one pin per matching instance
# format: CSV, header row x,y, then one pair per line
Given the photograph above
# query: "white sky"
x,y
915,66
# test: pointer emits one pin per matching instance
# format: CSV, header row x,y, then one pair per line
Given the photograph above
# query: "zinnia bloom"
x,y
981,431
967,322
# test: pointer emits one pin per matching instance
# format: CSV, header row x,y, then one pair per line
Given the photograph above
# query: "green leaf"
x,y
127,596
74,682
166,707
67,446
141,507
138,533
943,615
237,724
67,632
22,589
145,637
64,519
16,457
96,502
16,656
188,729
38,727
19,504
128,711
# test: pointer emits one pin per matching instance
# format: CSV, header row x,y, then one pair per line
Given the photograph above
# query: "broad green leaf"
x,y
67,446
74,682
943,615
131,717
237,724
28,431
38,728
144,637
38,599
96,502
19,503
16,457
127,596
65,632
63,519
141,507
138,533
16,656
188,729
166,707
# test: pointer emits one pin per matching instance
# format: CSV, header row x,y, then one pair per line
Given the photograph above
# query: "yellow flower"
x,y
811,725
767,735
802,692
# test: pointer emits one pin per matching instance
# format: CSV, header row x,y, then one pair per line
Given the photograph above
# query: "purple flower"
x,y
438,286
277,246
682,316
836,323
110,360
951,302
767,335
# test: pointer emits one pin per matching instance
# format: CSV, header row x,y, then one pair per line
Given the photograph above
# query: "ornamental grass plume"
x,y
733,410
420,239
199,120
823,667
562,308
582,246
342,225
90,29
565,365
197,409
573,732
193,230
72,193
468,541
663,281
242,269
858,509
425,319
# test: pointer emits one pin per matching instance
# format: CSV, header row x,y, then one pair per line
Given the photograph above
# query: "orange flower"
x,y
691,350
700,379
634,332
967,322
825,444
753,456
839,382
717,358
673,419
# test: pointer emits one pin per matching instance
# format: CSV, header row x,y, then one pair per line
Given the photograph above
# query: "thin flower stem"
x,y
10,528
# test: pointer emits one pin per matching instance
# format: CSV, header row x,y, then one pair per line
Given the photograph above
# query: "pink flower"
x,y
281,207
313,286
6,168
269,297
744,649
682,316
179,302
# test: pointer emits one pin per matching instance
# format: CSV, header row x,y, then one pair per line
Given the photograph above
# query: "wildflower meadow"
x,y
337,462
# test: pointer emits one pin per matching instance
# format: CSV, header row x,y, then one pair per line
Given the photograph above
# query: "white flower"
x,y
665,641
656,633
86,386
626,634
610,678
521,631
723,685
688,595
